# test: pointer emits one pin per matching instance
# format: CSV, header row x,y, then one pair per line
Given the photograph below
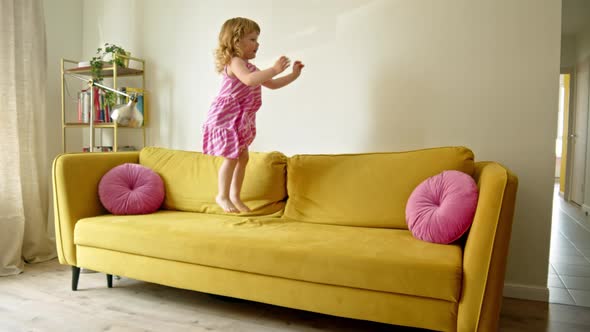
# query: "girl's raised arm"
x,y
239,69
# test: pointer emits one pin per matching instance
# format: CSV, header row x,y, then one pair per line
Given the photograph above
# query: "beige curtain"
x,y
24,167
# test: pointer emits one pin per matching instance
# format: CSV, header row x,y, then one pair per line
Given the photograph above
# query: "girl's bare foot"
x,y
240,205
226,204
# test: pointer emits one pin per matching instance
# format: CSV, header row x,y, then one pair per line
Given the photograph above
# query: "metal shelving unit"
x,y
108,71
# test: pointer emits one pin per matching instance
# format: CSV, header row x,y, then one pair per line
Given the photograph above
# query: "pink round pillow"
x,y
442,207
131,189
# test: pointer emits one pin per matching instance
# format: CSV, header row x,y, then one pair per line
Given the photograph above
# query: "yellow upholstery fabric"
x,y
190,179
486,249
75,193
386,260
341,301
369,190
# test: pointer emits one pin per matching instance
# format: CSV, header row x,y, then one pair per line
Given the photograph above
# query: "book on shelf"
x,y
98,110
87,64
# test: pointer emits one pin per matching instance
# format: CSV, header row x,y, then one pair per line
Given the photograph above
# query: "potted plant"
x,y
101,57
108,54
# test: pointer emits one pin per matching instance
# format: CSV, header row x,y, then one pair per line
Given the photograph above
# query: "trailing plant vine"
x,y
97,62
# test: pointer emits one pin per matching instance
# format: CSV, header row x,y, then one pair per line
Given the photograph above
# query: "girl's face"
x,y
249,45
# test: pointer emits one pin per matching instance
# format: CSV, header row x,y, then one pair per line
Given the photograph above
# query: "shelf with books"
x,y
86,124
97,114
96,125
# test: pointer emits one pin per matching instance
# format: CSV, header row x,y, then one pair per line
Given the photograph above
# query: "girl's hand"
x,y
297,66
281,64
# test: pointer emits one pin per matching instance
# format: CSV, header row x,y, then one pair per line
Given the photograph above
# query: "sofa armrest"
x,y
486,249
75,193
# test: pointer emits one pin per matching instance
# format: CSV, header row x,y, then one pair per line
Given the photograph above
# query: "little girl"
x,y
230,126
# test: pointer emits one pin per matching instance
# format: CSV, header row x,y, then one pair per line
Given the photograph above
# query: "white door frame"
x,y
570,129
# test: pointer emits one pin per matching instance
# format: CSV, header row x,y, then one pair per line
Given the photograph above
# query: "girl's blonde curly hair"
x,y
232,31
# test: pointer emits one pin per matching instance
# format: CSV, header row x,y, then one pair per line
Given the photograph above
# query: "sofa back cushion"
x,y
190,179
369,190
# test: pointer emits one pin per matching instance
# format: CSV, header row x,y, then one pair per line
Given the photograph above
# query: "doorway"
x,y
561,142
577,133
569,263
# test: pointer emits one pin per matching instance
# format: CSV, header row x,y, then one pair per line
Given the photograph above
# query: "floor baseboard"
x,y
526,292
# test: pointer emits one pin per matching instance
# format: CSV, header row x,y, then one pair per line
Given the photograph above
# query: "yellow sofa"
x,y
327,234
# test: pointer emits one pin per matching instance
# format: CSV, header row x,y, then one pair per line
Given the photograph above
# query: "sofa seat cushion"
x,y
387,260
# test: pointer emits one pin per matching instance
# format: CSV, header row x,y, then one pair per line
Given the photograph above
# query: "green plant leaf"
x,y
96,62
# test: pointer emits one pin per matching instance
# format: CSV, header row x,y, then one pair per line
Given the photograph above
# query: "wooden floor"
x,y
41,300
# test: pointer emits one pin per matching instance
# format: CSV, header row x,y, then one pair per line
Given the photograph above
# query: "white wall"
x,y
380,76
583,45
582,54
568,51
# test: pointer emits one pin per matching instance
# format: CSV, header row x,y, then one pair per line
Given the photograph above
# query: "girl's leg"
x,y
224,181
238,179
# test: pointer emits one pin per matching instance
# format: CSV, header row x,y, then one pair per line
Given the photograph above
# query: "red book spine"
x,y
96,106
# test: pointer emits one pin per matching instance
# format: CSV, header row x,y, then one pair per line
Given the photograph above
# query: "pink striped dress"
x,y
230,126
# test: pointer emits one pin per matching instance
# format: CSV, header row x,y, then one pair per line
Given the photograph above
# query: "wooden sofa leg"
x,y
75,277
110,280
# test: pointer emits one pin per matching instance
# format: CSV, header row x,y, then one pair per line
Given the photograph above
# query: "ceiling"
x,y
575,16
